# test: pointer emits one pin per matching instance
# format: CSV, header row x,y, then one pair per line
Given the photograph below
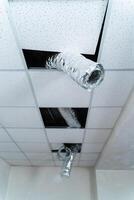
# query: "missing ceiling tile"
x,y
64,117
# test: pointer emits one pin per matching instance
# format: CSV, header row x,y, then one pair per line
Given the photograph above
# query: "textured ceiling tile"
x,y
19,162
4,136
20,117
15,89
8,147
115,89
12,155
28,135
51,87
42,163
92,148
97,135
65,135
117,52
119,150
89,156
103,117
9,54
39,156
35,147
59,25
56,145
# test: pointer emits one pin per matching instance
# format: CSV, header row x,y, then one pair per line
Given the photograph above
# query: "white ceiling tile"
x,y
56,145
92,148
19,162
97,135
85,163
56,89
28,135
103,117
65,135
42,163
118,38
8,146
12,155
4,136
89,156
115,89
9,54
34,147
119,151
39,156
70,29
15,89
20,117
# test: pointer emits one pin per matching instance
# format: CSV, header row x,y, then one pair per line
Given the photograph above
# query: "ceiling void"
x,y
64,117
58,25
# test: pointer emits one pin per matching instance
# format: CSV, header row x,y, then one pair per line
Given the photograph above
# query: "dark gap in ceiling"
x,y
69,145
64,117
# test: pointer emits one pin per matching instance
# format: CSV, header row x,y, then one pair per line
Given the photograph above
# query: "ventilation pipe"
x,y
67,155
86,73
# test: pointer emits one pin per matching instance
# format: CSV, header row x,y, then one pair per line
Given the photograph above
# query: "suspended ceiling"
x,y
53,26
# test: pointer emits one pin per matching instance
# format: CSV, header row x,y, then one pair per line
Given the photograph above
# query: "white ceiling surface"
x,y
23,139
58,25
118,39
8,49
118,53
119,151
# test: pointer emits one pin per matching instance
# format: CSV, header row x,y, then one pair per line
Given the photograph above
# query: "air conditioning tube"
x,y
67,165
86,73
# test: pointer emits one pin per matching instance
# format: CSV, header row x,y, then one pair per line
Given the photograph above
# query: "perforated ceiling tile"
x,y
89,156
65,135
92,148
22,117
115,89
4,136
103,117
19,162
39,156
42,163
117,46
12,155
27,135
119,151
51,87
8,147
59,25
15,89
97,135
35,147
9,54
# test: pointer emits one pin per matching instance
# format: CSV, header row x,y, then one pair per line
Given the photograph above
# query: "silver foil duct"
x,y
86,73
67,155
69,116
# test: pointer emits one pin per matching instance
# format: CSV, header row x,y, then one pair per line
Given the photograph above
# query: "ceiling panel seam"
x,y
89,108
15,143
27,74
